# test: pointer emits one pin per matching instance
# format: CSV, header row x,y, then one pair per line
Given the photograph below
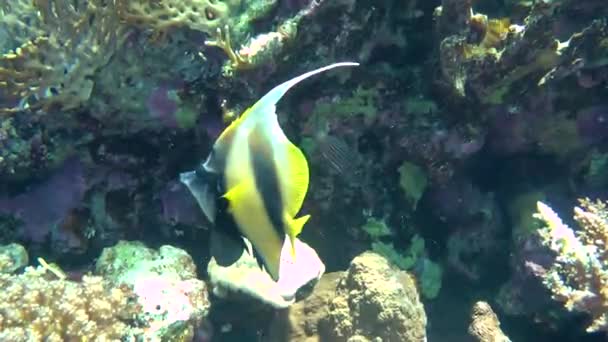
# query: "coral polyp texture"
x,y
56,48
39,306
579,276
199,15
375,302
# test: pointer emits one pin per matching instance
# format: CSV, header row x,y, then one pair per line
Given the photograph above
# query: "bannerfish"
x,y
254,181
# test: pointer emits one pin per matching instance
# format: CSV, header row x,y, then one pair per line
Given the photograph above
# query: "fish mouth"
x,y
187,177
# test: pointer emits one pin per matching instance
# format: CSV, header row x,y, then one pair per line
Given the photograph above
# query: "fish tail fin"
x,y
294,228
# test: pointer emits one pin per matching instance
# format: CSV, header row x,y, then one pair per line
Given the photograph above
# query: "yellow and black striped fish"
x,y
254,181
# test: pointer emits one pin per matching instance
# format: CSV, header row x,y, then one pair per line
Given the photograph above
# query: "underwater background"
x,y
458,175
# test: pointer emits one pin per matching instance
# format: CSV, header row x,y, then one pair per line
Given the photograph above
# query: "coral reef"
x,y
579,277
433,154
37,305
138,293
58,47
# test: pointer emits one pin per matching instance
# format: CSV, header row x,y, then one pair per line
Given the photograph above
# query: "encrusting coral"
x,y
200,15
579,276
173,301
374,302
39,306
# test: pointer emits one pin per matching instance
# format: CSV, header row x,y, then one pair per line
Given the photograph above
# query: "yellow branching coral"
x,y
222,40
36,306
63,45
162,15
257,50
579,276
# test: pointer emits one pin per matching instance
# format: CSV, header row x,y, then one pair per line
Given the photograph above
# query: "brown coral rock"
x,y
375,301
300,322
371,301
485,326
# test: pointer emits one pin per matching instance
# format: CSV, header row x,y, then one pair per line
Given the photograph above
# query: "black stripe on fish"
x,y
266,179
209,187
229,236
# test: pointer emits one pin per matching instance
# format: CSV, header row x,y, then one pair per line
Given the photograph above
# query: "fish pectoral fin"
x,y
294,228
295,183
225,249
202,186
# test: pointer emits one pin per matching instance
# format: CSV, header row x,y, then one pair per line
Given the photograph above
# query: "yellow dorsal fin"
x,y
229,131
266,105
295,183
294,228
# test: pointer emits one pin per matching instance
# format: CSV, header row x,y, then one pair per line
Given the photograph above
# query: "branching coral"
x,y
36,306
259,49
61,44
579,276
222,40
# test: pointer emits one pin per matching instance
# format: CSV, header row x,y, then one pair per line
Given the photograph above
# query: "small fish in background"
x,y
340,157
253,183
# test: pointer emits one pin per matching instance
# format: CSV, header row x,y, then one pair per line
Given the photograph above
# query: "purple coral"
x,y
178,205
162,105
47,204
